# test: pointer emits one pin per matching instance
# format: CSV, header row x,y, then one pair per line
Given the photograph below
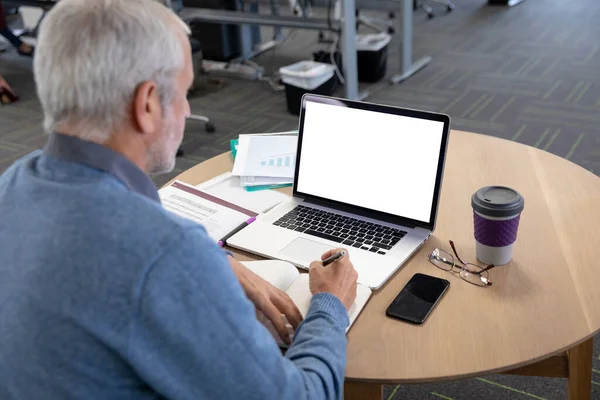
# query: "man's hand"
x,y
267,299
338,278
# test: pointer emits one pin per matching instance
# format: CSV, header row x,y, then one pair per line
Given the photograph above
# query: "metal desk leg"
x,y
348,47
408,67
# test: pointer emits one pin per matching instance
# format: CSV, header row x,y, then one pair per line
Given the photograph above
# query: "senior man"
x,y
103,293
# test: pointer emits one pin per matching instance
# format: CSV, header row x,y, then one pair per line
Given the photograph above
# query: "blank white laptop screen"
x,y
370,159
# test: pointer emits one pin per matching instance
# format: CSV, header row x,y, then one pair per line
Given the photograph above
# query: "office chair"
x,y
176,6
199,73
199,76
427,8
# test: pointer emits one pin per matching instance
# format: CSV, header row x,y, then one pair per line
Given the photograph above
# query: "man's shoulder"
x,y
97,208
136,219
5,177
140,212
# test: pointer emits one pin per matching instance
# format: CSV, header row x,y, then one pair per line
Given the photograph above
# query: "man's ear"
x,y
146,107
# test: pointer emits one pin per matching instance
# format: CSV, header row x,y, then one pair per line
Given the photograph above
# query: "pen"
x,y
224,239
333,258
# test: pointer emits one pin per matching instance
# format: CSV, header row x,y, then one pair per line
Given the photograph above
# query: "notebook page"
x,y
286,277
300,293
280,274
218,216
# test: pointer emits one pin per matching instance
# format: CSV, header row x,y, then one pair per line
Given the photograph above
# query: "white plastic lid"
x,y
306,69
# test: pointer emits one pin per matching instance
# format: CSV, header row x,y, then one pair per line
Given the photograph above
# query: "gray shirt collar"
x,y
73,149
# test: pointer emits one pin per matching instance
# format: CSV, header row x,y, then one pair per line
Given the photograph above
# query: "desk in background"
x,y
347,25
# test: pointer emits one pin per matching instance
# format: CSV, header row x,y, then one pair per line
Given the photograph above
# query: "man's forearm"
x,y
319,346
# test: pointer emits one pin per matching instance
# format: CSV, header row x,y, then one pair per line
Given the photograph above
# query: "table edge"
x,y
449,378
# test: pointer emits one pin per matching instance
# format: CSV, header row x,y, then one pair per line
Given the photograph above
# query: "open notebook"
x,y
286,277
218,216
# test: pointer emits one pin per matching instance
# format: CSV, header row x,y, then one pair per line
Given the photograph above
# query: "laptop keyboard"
x,y
341,229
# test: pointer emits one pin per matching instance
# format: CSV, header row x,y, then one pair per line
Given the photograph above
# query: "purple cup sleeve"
x,y
496,233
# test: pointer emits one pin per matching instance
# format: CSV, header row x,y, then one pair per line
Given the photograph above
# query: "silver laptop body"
x,y
367,178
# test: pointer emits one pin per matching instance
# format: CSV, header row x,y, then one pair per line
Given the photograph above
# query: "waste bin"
x,y
371,56
306,77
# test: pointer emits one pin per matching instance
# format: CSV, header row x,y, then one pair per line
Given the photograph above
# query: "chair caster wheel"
x,y
450,7
392,15
430,15
391,30
210,128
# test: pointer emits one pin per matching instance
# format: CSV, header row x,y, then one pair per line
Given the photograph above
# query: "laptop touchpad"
x,y
302,249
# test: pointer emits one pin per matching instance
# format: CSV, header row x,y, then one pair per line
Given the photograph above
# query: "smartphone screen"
x,y
418,298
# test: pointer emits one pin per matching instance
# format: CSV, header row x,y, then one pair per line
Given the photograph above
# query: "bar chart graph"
x,y
280,160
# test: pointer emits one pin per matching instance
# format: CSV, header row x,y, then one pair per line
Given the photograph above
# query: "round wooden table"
x,y
543,309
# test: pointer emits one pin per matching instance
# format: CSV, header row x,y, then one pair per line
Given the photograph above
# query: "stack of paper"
x,y
229,188
265,160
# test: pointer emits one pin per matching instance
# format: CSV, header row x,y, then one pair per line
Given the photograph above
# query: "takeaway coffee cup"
x,y
496,215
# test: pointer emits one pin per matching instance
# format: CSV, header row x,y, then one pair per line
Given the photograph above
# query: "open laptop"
x,y
367,177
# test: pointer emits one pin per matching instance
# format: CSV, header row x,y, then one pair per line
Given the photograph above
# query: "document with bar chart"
x,y
266,156
279,160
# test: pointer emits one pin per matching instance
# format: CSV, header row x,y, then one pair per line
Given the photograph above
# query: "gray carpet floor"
x,y
530,73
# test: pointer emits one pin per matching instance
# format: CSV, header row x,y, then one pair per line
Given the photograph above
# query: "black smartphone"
x,y
418,298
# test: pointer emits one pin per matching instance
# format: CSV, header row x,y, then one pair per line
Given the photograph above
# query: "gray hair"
x,y
93,54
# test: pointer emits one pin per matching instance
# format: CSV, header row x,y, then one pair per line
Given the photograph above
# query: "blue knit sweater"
x,y
105,295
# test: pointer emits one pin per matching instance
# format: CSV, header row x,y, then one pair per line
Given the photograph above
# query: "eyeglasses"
x,y
469,272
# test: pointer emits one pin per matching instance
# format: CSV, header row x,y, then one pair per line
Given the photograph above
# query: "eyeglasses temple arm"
x,y
455,252
486,268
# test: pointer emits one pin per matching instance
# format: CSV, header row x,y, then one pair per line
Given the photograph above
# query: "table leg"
x,y
580,370
407,67
362,391
348,48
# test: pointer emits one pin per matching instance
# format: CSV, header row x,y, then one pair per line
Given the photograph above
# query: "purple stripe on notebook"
x,y
214,199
